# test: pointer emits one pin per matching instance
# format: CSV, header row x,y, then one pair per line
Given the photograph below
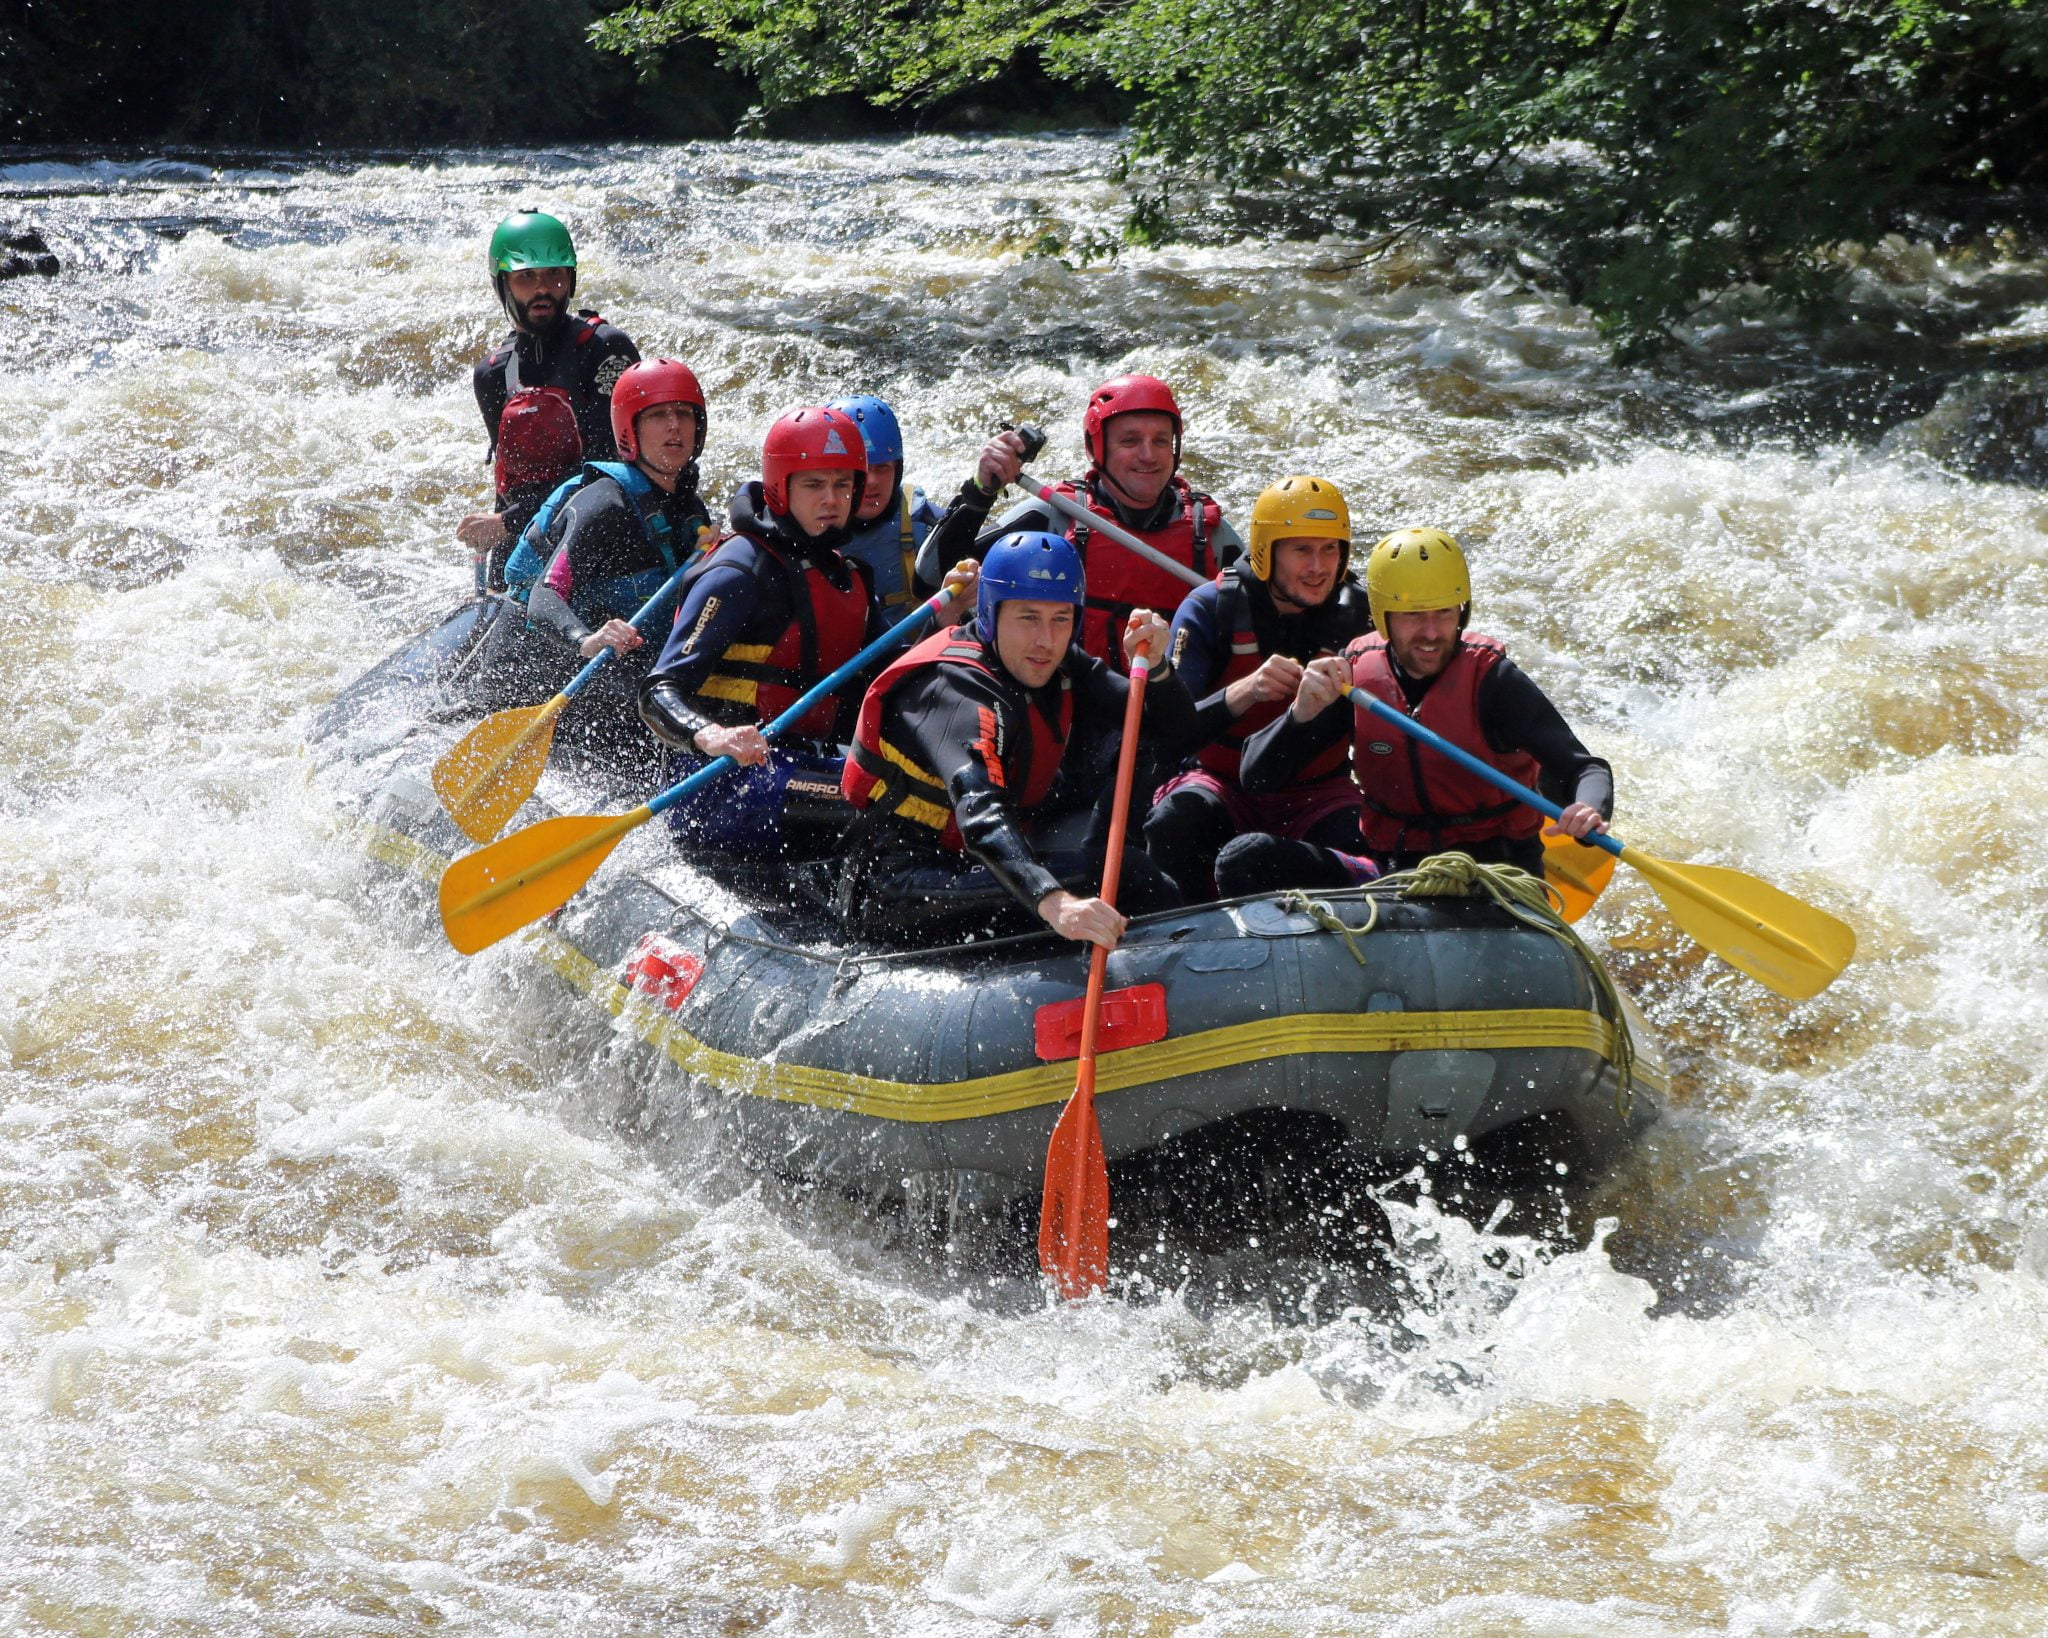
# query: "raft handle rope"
x,y
1533,902
1298,903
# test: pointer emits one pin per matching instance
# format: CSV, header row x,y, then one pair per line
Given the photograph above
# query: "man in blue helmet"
x,y
893,517
979,763
552,353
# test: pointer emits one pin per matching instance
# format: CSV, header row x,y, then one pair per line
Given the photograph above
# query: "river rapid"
x,y
331,1300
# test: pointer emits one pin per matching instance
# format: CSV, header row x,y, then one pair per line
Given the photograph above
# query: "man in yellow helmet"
x,y
1239,643
1423,661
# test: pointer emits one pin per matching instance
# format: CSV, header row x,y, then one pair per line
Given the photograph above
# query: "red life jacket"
x,y
768,677
881,776
1119,580
1248,650
1416,800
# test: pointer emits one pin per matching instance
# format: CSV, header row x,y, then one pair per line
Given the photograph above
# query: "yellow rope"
x,y
1532,901
1300,904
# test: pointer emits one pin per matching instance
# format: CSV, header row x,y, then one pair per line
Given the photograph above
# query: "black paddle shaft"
x,y
1033,436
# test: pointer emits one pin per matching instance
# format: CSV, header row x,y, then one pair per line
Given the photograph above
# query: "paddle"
x,y
1073,1213
1105,526
1578,873
1783,943
499,889
487,775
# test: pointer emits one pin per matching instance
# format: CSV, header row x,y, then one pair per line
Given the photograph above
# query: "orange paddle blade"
x,y
499,889
1578,873
487,775
1073,1215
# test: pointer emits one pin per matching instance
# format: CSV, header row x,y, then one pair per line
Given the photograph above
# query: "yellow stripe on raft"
x,y
1041,1084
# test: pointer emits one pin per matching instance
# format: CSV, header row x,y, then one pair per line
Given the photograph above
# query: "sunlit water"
x,y
333,1302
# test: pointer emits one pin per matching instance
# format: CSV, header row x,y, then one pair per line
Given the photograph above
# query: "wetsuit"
x,y
1222,633
581,355
764,617
1008,799
612,551
1183,524
609,550
1513,724
889,546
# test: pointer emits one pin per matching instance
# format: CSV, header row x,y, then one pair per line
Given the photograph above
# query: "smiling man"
x,y
1132,431
574,355
978,764
1240,644
1423,661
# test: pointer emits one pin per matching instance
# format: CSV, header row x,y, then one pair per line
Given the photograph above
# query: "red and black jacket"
x,y
952,752
765,616
1119,580
1226,630
1416,800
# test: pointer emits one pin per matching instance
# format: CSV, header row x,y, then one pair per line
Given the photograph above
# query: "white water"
x,y
329,1302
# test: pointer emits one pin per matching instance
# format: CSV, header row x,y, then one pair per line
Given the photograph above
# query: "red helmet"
x,y
1120,397
812,439
537,439
643,385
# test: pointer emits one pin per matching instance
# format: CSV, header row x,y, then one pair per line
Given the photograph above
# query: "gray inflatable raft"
x,y
1392,1027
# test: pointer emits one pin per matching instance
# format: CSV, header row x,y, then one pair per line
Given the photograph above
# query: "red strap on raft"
x,y
1130,1018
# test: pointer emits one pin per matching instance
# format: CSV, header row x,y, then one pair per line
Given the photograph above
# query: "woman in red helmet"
x,y
764,617
611,535
1132,431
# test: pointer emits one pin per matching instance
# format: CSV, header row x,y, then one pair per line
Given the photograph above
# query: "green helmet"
x,y
530,239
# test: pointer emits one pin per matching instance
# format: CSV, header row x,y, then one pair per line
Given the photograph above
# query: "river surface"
x,y
331,1301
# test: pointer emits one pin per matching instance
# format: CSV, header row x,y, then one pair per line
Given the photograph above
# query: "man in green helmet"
x,y
553,353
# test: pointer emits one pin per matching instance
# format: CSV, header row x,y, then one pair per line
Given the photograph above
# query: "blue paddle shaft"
x,y
889,639
1471,764
647,611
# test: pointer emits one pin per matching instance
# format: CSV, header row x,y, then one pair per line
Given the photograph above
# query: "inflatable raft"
x,y
1383,1029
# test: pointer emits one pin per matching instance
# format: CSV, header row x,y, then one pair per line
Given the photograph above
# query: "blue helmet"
x,y
1027,566
878,428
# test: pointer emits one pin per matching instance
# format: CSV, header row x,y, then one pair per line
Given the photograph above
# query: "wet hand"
x,y
481,531
1002,458
1145,630
616,635
961,580
744,745
1578,821
1324,681
1086,921
1276,679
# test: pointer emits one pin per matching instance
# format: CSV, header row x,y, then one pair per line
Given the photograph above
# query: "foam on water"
x,y
331,1299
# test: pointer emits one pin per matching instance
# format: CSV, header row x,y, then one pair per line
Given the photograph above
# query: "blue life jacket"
x,y
530,558
889,545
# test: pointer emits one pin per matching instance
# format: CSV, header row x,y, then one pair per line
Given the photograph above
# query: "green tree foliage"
x,y
1639,155
367,73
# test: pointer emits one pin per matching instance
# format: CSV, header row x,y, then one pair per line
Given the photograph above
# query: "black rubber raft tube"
x,y
1433,1020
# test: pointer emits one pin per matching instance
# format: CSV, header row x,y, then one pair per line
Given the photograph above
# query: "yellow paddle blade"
x,y
486,777
1578,873
1783,943
499,889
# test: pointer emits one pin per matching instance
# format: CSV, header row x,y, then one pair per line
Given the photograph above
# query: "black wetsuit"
x,y
601,547
966,532
742,595
903,886
1514,715
1192,822
579,353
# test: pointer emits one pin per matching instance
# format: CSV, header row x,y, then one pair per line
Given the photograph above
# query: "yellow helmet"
x,y
1415,570
1293,508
